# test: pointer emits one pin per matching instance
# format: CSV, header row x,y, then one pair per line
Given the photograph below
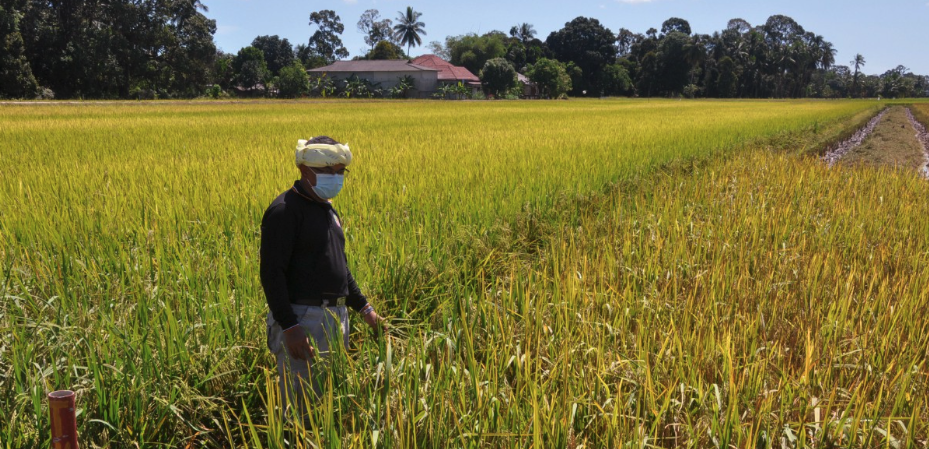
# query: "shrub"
x,y
44,93
293,81
355,87
216,92
551,76
386,50
322,86
499,76
405,84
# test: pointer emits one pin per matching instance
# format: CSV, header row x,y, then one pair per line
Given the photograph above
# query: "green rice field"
x,y
583,273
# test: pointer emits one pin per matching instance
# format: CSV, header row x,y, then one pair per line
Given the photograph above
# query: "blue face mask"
x,y
328,186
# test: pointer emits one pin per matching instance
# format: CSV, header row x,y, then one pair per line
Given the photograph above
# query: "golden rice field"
x,y
557,274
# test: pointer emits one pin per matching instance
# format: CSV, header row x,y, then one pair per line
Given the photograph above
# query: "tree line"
x,y
105,49
777,59
165,49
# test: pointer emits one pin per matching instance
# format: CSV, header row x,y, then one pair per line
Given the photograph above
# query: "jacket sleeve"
x,y
278,230
356,300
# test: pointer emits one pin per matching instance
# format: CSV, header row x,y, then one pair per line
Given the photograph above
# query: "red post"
x,y
64,424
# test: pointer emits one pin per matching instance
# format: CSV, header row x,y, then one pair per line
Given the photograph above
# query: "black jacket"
x,y
303,256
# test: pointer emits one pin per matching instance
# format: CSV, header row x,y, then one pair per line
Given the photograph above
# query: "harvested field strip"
x,y
840,149
892,143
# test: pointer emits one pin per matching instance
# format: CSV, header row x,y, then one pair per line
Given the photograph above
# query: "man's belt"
x,y
320,302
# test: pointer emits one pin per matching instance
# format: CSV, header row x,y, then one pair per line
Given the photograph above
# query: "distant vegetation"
x,y
165,49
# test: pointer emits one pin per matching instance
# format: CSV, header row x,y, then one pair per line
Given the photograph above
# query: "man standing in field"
x,y
305,275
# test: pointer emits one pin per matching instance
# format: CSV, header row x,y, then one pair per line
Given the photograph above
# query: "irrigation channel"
x,y
893,137
923,137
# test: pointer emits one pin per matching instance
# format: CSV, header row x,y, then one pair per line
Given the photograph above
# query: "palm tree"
x,y
826,53
694,54
858,62
524,32
409,28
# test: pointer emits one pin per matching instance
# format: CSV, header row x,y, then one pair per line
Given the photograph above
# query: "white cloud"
x,y
350,2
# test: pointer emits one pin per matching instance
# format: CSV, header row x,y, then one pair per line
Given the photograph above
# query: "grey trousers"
x,y
326,327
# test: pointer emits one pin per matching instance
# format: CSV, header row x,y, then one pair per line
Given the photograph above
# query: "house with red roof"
x,y
386,73
429,73
448,73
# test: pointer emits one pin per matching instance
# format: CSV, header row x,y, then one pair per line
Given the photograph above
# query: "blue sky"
x,y
888,33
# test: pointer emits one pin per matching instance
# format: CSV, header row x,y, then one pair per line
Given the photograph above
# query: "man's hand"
x,y
297,344
376,322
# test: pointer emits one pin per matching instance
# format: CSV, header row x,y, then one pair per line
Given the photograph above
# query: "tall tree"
x,y
408,29
439,49
223,73
589,45
738,25
782,34
694,54
648,74
278,52
624,41
675,24
896,82
120,48
16,79
858,63
191,50
472,51
756,57
516,54
375,30
325,43
614,80
673,63
250,67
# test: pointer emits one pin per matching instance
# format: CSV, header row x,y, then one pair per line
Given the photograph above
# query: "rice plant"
x,y
582,273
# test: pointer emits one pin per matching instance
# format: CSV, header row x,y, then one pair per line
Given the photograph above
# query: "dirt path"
x,y
834,154
893,141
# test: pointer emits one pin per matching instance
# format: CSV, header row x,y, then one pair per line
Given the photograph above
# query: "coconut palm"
x,y
524,32
858,62
409,28
826,53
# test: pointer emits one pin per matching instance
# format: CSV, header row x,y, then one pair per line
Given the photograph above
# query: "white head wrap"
x,y
322,155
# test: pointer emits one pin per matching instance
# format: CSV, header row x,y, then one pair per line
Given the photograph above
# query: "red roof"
x,y
447,71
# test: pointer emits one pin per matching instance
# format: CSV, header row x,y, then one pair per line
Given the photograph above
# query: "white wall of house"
x,y
425,82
